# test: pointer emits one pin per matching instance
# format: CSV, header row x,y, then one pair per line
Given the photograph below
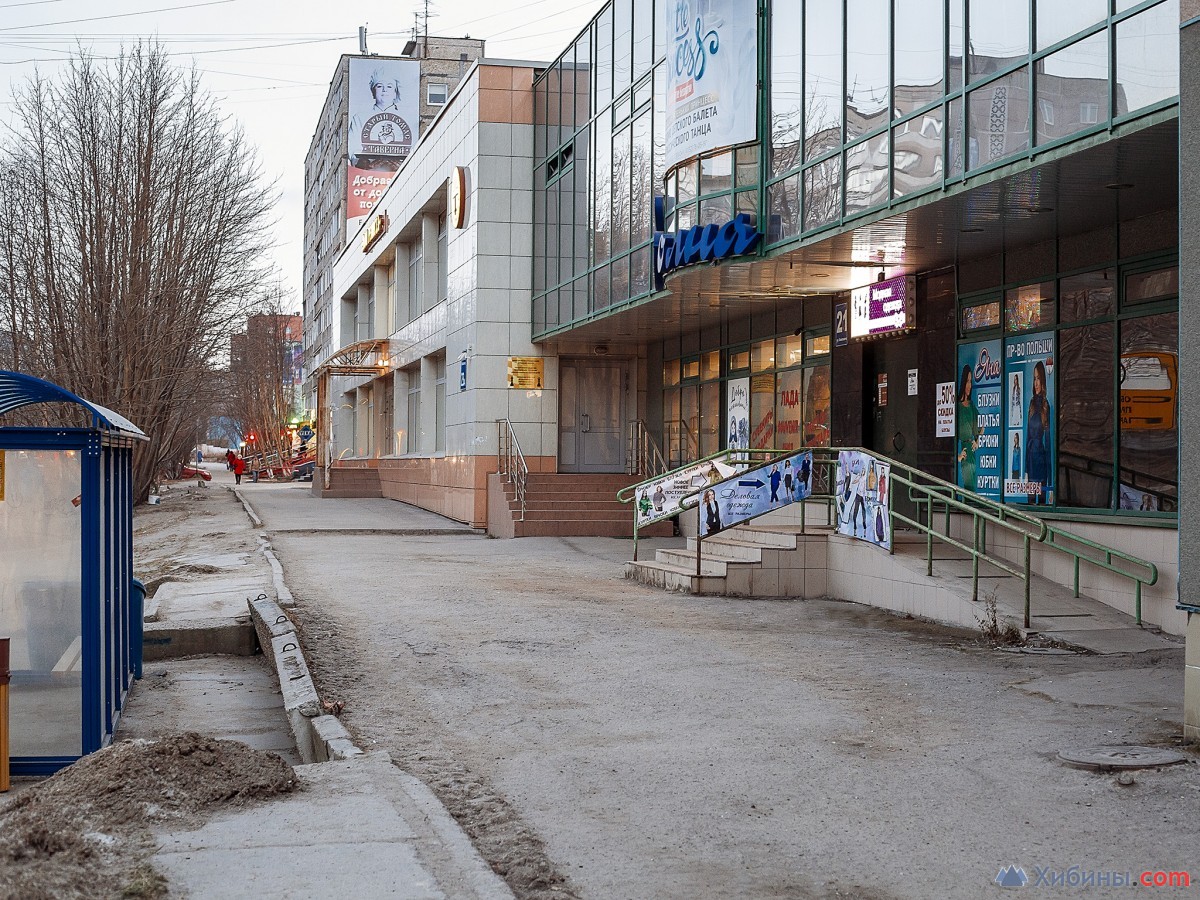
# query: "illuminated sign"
x,y
883,308
377,229
704,243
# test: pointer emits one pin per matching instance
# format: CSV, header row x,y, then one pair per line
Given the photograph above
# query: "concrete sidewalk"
x,y
356,827
291,508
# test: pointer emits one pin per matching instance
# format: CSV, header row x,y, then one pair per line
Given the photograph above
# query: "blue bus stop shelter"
x,y
66,575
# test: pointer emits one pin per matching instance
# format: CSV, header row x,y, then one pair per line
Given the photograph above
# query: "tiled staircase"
x,y
565,505
778,561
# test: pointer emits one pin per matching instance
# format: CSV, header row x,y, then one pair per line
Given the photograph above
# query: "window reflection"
x,y
1057,20
822,77
783,198
822,193
867,37
918,54
917,153
1148,57
867,174
1086,416
999,35
1149,379
1088,296
999,119
786,87
1072,88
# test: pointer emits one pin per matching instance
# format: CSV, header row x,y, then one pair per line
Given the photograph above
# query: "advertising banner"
x,y
978,419
754,492
864,498
384,99
712,77
945,410
1028,394
883,308
738,403
660,499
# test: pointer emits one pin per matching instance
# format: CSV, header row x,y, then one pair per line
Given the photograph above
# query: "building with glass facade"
x,y
947,231
1011,166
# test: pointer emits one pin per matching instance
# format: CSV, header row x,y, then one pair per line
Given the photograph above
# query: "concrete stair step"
x,y
685,560
673,578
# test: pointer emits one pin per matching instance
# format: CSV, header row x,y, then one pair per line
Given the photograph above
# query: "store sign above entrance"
x,y
883,308
703,243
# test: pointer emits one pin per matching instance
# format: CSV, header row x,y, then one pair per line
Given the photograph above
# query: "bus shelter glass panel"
x,y
40,585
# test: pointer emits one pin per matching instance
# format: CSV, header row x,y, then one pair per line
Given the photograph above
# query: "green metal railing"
x,y
948,514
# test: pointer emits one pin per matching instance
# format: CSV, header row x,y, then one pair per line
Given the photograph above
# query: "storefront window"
x,y
1143,287
817,346
816,405
1086,415
789,351
762,356
1088,296
789,410
981,316
762,411
710,366
739,359
710,418
1029,307
1149,383
671,373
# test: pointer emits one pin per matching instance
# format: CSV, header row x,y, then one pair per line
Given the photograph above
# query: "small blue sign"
x,y
841,324
306,434
462,374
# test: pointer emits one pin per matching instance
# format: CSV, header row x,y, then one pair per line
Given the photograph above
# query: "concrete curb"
x,y
201,637
319,737
254,519
281,589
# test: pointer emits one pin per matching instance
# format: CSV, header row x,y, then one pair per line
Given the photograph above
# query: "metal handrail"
x,y
691,442
1151,570
929,493
510,462
645,456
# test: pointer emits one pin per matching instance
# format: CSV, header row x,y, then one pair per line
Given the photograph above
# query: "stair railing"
x,y
644,457
510,462
737,458
930,494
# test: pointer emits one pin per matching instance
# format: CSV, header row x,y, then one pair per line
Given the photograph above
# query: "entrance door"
x,y
591,418
892,429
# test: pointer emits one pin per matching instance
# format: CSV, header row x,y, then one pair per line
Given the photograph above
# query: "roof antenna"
x,y
362,40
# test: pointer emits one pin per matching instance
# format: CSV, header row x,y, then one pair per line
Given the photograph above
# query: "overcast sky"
x,y
270,61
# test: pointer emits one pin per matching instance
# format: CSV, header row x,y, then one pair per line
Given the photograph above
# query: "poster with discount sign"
x,y
1028,391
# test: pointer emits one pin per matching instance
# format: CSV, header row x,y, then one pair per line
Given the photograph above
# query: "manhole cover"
x,y
1121,757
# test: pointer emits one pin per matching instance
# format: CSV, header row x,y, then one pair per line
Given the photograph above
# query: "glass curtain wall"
x,y
876,101
599,118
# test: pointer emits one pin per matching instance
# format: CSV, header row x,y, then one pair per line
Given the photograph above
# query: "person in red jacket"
x,y
239,469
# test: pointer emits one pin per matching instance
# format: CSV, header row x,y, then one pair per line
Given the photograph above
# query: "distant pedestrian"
x,y
229,458
239,469
199,456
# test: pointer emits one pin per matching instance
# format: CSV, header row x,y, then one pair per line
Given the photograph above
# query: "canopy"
x,y
17,390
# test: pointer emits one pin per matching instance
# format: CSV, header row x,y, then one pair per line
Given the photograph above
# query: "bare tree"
x,y
261,382
133,228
